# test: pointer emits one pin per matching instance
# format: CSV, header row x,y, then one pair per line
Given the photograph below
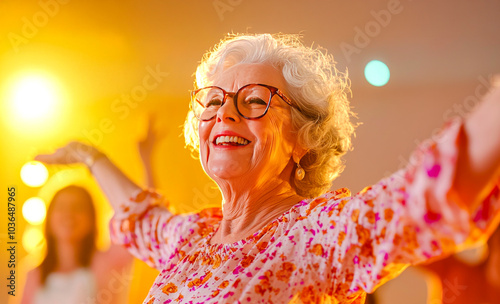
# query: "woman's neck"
x,y
67,256
246,212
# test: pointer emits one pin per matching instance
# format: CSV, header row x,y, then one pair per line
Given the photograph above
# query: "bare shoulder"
x,y
33,276
33,283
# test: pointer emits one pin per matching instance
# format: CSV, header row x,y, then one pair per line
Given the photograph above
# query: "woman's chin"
x,y
71,238
227,171
225,175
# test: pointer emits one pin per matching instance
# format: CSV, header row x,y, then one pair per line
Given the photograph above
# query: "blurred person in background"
x,y
74,271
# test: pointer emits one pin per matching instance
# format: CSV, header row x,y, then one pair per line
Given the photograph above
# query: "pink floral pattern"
x,y
330,249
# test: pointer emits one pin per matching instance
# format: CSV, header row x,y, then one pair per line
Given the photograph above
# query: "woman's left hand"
x,y
479,154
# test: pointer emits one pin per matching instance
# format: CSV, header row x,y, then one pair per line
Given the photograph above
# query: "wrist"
x,y
90,159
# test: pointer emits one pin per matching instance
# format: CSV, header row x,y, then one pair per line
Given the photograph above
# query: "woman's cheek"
x,y
204,155
204,129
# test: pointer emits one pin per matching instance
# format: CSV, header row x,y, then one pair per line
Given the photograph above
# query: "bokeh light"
x,y
34,97
377,73
33,239
34,174
34,210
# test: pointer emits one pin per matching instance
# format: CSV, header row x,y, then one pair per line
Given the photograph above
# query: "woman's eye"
x,y
255,101
215,102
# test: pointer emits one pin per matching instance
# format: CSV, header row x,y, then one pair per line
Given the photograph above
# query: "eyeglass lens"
x,y
251,101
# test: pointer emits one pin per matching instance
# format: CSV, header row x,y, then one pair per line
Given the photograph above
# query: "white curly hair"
x,y
322,119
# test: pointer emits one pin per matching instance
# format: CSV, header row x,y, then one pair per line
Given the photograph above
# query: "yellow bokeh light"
x,y
33,239
34,174
34,210
34,104
34,97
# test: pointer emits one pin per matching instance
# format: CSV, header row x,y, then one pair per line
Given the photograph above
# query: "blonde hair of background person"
x,y
271,120
73,270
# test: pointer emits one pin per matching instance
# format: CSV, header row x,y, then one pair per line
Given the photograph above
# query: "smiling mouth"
x,y
231,141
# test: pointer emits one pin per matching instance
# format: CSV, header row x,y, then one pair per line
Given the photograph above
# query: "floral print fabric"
x,y
331,249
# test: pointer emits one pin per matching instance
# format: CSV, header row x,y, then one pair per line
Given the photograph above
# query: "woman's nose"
x,y
227,112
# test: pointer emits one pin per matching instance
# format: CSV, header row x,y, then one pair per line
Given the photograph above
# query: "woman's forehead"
x,y
236,76
70,198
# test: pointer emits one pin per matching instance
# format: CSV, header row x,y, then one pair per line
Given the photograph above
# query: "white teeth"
x,y
230,139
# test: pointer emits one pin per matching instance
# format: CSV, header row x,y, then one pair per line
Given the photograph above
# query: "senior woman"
x,y
270,119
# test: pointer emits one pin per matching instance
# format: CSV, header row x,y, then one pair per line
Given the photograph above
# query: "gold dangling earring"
x,y
299,172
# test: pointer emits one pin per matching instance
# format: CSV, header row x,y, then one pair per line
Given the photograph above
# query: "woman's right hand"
x,y
113,182
73,152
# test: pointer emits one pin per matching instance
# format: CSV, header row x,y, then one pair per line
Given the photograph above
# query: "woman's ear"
x,y
298,152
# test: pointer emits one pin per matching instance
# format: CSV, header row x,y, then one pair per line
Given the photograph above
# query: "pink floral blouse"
x,y
331,249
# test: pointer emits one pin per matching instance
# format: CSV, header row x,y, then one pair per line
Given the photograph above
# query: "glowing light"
x,y
34,96
33,239
34,210
34,174
33,104
377,73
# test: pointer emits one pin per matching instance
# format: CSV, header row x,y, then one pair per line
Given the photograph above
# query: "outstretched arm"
x,y
141,223
478,163
446,199
114,183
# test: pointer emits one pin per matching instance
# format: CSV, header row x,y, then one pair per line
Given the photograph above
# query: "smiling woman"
x,y
271,120
320,111
270,138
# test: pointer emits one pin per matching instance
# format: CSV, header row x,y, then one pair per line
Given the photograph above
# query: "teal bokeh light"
x,y
377,73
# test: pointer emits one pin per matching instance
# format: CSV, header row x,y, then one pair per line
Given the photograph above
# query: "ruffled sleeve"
x,y
407,218
153,234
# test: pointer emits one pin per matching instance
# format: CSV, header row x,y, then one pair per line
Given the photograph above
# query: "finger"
x,y
46,158
78,149
60,156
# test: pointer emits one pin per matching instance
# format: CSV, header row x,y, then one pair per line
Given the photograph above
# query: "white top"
x,y
75,287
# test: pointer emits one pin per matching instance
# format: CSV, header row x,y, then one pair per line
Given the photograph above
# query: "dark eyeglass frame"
x,y
234,96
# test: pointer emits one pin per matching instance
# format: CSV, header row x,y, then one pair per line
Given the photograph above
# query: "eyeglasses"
x,y
251,101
